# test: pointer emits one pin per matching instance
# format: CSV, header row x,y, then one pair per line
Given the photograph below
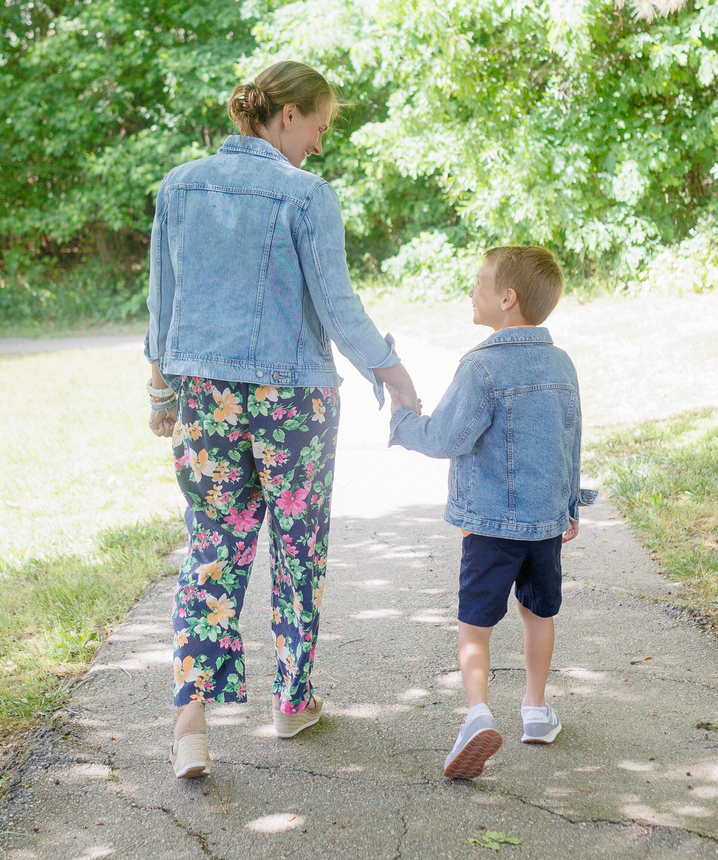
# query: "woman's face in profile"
x,y
304,137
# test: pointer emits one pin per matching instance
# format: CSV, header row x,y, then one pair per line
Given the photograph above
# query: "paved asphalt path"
x,y
634,774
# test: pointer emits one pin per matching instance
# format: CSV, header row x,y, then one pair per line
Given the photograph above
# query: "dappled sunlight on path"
x,y
634,773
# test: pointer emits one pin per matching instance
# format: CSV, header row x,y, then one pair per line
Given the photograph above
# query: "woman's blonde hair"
x,y
255,104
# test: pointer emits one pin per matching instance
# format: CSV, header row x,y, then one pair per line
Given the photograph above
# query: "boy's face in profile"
x,y
485,299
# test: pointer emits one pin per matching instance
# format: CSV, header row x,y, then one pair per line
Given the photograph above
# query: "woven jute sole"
x,y
288,725
192,758
470,762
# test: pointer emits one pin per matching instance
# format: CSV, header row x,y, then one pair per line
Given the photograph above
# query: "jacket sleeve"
x,y
463,414
320,245
162,288
578,497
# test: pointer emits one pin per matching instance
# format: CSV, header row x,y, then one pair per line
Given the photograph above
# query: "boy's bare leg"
x,y
475,661
538,651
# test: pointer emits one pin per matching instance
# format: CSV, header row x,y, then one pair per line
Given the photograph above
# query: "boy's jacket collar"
x,y
520,334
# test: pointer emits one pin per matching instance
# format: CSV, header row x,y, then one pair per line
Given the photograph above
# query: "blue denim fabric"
x,y
248,276
511,423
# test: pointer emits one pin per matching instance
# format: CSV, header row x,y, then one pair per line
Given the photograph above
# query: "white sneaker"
x,y
541,725
478,740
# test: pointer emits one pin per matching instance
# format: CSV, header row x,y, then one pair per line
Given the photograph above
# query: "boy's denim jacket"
x,y
511,424
248,276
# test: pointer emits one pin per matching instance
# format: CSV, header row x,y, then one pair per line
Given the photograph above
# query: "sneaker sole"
x,y
470,762
547,739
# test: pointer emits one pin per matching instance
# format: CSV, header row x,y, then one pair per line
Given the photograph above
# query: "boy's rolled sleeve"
x,y
320,244
162,288
463,414
578,497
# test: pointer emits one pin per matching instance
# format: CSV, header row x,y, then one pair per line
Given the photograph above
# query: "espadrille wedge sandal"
x,y
288,725
192,758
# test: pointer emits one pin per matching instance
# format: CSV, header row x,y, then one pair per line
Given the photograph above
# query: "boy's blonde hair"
x,y
533,273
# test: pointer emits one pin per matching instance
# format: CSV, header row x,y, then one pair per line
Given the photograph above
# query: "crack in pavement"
x,y
624,822
201,840
404,831
198,836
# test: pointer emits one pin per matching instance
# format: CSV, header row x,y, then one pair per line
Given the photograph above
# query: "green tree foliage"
x,y
99,99
471,122
565,123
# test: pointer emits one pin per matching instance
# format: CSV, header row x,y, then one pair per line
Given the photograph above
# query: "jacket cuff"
x,y
396,420
391,360
585,498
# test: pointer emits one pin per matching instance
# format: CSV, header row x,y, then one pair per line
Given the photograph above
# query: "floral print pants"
x,y
242,451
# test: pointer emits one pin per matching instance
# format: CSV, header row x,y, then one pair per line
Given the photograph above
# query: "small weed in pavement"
x,y
493,839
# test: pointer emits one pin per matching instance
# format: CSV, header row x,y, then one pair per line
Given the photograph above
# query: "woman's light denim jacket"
x,y
511,424
248,277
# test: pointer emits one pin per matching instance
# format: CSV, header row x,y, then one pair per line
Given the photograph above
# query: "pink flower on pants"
x,y
247,555
312,542
240,521
291,503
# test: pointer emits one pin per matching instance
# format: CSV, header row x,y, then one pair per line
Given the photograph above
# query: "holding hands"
x,y
400,387
398,401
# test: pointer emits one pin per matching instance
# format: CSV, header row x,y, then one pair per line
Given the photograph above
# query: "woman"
x,y
248,284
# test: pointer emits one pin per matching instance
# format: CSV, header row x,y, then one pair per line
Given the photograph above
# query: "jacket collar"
x,y
522,334
253,145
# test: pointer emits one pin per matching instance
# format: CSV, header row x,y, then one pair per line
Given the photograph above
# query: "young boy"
x,y
511,424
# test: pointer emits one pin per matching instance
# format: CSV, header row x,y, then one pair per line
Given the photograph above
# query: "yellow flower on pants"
x,y
266,392
221,612
319,410
212,570
200,463
185,671
228,406
193,431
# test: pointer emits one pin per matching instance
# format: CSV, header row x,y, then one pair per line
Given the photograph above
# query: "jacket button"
x,y
260,374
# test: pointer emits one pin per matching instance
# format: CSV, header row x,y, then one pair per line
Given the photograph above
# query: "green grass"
x,y
71,328
54,615
663,475
88,508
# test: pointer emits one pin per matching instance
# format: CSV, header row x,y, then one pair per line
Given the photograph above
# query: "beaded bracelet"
x,y
164,399
161,399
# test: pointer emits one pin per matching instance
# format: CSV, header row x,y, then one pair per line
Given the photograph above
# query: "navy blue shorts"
x,y
491,565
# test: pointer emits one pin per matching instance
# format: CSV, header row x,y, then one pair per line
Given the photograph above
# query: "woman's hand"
x,y
397,377
162,423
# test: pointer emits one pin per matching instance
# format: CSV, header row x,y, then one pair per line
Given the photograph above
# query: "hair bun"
x,y
251,102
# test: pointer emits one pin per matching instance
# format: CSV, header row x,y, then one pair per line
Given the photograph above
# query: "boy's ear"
x,y
509,300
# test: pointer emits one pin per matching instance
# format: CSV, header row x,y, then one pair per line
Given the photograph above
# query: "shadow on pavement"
x,y
630,774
